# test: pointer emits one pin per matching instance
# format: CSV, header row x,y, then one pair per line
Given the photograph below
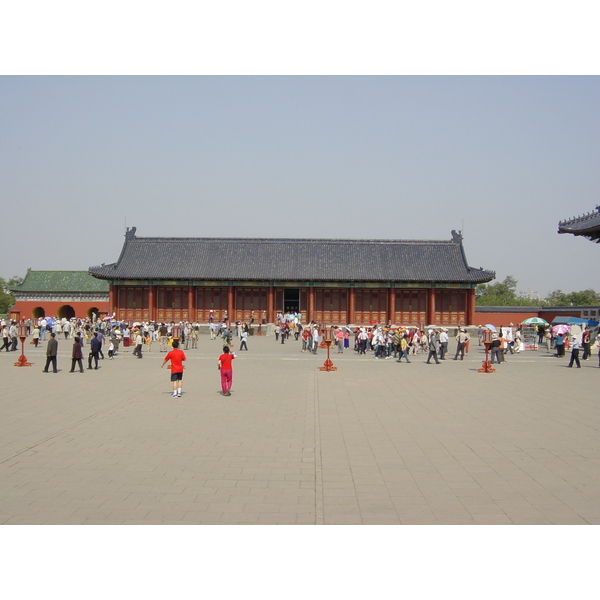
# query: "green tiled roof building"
x,y
62,294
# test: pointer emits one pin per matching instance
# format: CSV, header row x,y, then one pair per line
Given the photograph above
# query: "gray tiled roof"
x,y
586,225
292,260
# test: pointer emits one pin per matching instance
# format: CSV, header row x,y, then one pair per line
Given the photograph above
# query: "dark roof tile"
x,y
586,225
292,260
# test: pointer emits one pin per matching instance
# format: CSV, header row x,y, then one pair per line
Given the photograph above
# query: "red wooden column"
x,y
191,303
311,305
351,306
470,307
151,302
112,293
270,305
430,315
391,305
230,303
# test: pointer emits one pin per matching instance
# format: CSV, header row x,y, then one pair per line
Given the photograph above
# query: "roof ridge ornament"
x,y
130,233
457,236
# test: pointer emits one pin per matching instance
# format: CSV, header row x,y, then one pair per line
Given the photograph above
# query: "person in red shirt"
x,y
224,365
176,356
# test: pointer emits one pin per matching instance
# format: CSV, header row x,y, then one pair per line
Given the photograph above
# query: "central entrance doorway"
x,y
291,300
66,312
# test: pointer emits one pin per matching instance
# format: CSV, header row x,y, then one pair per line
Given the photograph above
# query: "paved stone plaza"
x,y
375,442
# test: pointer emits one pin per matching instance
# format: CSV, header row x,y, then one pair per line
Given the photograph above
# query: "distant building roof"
x,y
507,309
538,309
586,225
292,260
60,281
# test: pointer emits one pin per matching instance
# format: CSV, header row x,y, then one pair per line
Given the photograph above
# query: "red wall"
x,y
503,318
26,308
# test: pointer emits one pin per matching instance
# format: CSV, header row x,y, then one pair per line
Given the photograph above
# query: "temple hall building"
x,y
330,281
62,294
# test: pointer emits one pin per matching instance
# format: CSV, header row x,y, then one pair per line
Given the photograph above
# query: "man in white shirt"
x,y
316,339
461,341
139,341
363,338
443,343
244,338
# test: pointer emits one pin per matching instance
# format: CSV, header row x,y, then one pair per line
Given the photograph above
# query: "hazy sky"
x,y
403,157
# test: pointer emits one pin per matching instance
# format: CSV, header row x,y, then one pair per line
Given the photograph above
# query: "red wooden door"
x,y
411,307
371,306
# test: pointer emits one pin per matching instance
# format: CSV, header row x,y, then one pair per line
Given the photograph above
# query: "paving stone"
x,y
277,519
341,501
368,444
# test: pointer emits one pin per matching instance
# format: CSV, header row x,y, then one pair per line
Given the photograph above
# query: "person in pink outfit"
x,y
224,365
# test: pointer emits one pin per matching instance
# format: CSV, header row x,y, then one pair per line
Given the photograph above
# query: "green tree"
x,y
503,293
557,298
585,298
496,294
582,298
6,297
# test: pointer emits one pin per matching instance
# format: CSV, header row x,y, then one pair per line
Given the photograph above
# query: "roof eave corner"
x,y
129,237
457,238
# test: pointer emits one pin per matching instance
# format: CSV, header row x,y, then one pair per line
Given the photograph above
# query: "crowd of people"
x,y
377,340
120,336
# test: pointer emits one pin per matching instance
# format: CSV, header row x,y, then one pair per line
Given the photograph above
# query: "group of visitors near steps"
x,y
382,342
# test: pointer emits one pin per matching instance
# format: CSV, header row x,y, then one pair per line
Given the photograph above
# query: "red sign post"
x,y
327,340
486,367
22,362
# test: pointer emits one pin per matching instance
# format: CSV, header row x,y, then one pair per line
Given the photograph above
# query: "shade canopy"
x,y
573,321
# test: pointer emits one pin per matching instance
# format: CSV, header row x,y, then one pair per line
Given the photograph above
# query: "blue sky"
x,y
410,157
